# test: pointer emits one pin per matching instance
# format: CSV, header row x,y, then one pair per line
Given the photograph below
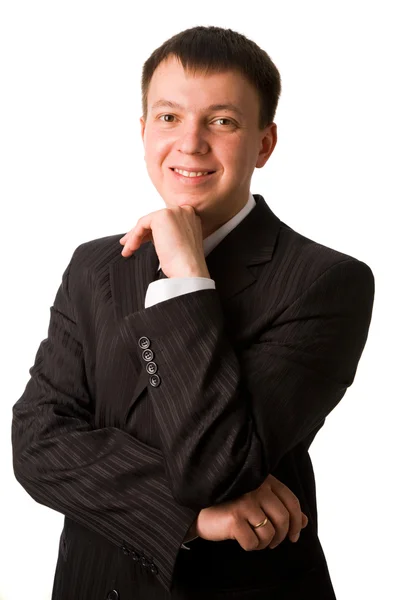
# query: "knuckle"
x,y
235,520
250,546
283,521
275,481
275,542
244,504
294,504
265,486
263,546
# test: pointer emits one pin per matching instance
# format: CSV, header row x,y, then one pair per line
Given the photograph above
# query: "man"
x,y
185,376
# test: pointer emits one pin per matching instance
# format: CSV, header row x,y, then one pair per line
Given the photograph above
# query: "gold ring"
x,y
261,524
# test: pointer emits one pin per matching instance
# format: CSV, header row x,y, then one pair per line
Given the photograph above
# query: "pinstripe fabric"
x,y
248,374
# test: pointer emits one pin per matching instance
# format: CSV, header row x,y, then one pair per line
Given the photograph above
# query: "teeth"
x,y
191,173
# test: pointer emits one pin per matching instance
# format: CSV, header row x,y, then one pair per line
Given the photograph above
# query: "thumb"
x,y
304,520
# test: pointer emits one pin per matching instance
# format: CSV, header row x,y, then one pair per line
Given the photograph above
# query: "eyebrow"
x,y
228,106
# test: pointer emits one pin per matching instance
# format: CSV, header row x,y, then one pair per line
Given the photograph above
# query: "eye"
x,y
224,119
167,115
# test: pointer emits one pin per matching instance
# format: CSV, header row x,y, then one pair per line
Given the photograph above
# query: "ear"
x,y
268,143
142,127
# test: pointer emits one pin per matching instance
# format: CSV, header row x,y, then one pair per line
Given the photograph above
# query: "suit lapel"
x,y
251,243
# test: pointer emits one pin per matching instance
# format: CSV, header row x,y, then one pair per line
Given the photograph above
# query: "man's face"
x,y
195,137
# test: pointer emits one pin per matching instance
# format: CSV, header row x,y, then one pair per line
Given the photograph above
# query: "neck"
x,y
212,222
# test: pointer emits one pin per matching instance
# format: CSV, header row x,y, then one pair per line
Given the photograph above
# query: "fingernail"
x,y
296,537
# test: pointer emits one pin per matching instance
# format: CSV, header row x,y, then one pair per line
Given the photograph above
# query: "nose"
x,y
193,140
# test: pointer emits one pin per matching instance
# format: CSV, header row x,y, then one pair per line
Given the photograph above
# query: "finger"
x,y
250,538
292,505
265,534
133,244
142,228
278,515
127,250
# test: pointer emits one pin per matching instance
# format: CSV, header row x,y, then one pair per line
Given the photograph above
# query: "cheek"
x,y
156,149
236,153
245,158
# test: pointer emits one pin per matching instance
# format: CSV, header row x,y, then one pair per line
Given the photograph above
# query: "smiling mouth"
x,y
192,176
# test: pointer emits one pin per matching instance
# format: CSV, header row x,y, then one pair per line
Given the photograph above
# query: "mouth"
x,y
192,179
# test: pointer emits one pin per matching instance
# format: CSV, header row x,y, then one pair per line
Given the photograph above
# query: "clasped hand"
x,y
234,519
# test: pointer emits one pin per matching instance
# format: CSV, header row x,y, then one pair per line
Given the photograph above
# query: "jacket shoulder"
x,y
97,252
311,255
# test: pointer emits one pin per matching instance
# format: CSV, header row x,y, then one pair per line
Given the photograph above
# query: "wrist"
x,y
196,273
196,270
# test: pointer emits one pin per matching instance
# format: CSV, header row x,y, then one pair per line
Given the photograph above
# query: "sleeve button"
x,y
144,342
148,355
154,380
151,367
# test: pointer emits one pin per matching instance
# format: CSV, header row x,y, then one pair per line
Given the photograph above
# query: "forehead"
x,y
170,81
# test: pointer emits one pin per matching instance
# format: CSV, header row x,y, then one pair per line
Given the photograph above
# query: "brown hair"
x,y
217,50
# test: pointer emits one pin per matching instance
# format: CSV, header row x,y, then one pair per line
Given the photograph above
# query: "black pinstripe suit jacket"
x,y
245,377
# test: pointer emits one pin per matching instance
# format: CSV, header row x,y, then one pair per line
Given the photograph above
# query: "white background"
x,y
72,169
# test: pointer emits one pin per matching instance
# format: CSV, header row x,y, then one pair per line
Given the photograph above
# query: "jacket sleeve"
x,y
225,419
104,479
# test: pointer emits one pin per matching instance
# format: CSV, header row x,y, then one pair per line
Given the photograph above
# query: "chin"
x,y
181,199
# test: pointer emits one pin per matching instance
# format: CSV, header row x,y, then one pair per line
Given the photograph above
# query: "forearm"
x,y
104,479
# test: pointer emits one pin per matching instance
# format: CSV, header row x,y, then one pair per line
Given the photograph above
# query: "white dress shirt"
x,y
164,289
